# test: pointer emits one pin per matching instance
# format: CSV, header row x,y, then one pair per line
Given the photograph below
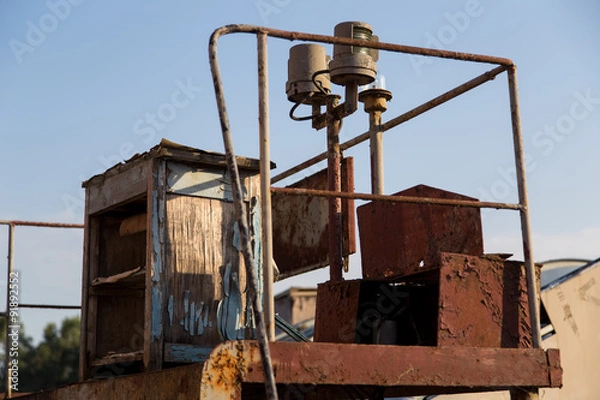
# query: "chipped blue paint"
x,y
257,240
170,310
192,318
158,288
192,321
229,309
157,261
156,324
186,310
198,320
237,242
227,280
189,353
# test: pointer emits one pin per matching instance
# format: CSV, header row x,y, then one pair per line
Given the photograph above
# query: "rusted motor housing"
x,y
353,64
304,61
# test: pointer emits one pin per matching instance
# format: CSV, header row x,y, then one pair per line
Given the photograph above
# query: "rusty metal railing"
x,y
262,33
9,274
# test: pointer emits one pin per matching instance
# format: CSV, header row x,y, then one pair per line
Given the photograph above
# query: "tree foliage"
x,y
53,362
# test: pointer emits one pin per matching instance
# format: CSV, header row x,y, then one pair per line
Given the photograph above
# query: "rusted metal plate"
x,y
403,369
399,239
337,311
482,302
300,225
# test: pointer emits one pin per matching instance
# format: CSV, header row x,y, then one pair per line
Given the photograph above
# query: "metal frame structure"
x,y
10,270
265,326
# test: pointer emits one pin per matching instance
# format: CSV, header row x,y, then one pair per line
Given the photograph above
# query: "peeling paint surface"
x,y
206,182
170,310
230,310
187,353
156,325
195,318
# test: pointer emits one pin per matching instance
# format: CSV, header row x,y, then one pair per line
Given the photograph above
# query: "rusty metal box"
x,y
399,239
465,301
482,302
376,312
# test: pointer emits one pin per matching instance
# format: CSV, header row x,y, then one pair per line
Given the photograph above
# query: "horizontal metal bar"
x,y
441,99
41,224
398,48
397,199
50,306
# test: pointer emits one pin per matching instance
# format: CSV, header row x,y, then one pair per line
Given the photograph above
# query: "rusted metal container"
x,y
399,239
483,302
465,301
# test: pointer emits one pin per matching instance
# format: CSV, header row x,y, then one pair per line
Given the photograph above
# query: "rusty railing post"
x,y
241,216
334,176
265,187
532,287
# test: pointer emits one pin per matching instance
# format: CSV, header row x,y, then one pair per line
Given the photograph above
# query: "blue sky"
x,y
78,79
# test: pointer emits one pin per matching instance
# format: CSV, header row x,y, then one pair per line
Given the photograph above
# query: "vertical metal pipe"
x,y
376,144
241,216
9,271
265,187
334,176
532,287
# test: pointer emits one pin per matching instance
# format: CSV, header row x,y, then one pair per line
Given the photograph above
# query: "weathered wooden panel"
x,y
203,181
300,225
186,353
115,189
119,324
206,290
119,253
155,277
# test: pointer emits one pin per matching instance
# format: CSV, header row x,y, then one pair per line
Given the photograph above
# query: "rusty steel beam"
x,y
401,369
398,48
40,224
398,199
415,112
50,306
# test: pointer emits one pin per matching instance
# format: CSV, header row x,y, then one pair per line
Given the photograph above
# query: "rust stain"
x,y
226,371
301,228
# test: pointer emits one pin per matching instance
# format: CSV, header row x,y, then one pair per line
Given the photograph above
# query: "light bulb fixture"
x,y
308,75
353,65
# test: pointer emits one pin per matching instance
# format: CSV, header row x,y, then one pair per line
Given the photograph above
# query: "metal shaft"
x,y
396,199
265,185
532,287
241,217
334,176
376,144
